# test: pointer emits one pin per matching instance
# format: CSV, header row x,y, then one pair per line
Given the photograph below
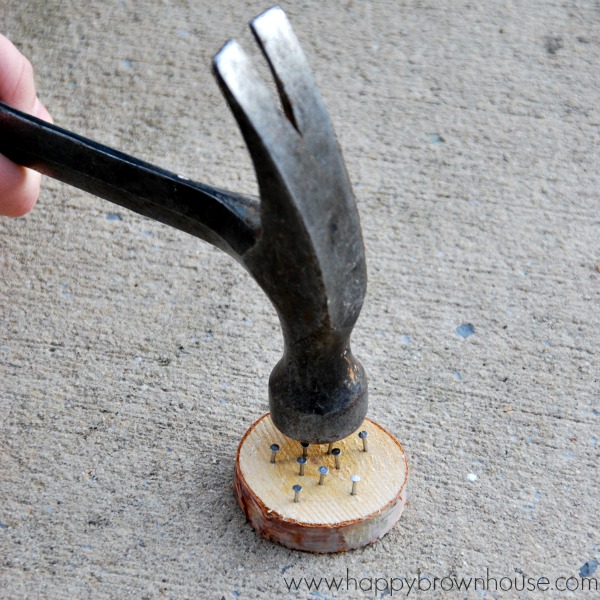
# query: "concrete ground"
x,y
133,357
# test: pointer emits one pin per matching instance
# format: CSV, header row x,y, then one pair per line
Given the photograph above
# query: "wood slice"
x,y
327,518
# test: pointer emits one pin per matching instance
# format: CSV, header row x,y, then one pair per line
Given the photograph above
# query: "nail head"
x,y
323,471
297,489
363,436
301,460
274,451
336,454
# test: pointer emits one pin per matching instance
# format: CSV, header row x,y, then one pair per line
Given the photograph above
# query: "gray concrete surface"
x,y
471,134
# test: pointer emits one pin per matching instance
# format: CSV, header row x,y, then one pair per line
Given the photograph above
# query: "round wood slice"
x,y
327,518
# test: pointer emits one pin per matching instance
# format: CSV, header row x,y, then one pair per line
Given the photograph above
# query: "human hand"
x,y
19,187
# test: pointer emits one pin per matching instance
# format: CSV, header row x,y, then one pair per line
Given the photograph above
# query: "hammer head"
x,y
309,257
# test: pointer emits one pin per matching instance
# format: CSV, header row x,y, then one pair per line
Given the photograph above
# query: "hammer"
x,y
301,240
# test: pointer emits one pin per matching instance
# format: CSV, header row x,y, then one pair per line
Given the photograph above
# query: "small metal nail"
x,y
336,454
323,471
301,461
355,479
297,489
329,448
305,449
274,451
363,436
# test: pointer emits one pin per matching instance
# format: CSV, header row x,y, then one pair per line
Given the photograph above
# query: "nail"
x,y
329,448
323,471
301,461
336,454
355,479
274,451
305,449
297,489
363,436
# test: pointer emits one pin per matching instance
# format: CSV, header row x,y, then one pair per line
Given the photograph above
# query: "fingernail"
x,y
37,107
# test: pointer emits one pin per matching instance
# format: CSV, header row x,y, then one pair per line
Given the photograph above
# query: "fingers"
x,y
19,187
16,77
40,111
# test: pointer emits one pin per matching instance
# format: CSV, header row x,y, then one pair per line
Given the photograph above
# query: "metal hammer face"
x,y
301,241
309,258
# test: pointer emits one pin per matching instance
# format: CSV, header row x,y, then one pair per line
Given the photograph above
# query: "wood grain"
x,y
328,518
